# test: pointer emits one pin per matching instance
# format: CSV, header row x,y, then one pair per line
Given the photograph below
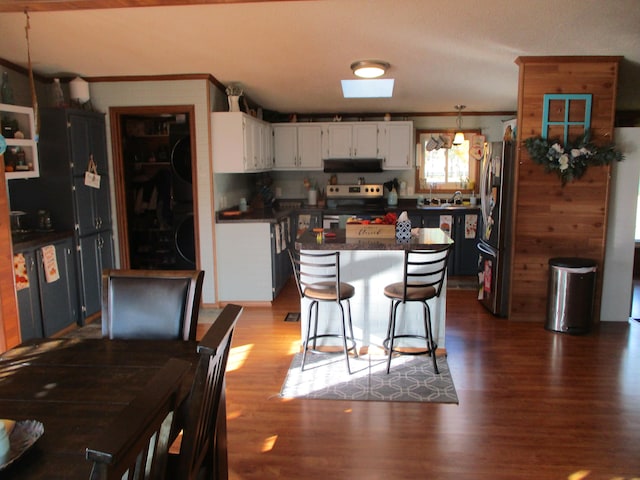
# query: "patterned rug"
x,y
411,379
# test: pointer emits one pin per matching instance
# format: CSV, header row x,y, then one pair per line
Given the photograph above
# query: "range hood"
x,y
352,165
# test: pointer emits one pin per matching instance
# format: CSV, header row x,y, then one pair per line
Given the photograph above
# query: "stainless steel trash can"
x,y
572,283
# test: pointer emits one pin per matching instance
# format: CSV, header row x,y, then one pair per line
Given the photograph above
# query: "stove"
x,y
356,199
367,191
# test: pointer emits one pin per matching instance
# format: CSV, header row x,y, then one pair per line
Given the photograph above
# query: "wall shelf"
x,y
21,156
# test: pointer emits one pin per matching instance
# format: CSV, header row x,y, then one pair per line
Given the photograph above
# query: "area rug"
x,y
411,379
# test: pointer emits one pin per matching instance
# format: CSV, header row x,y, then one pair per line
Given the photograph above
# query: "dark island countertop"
x,y
421,238
274,215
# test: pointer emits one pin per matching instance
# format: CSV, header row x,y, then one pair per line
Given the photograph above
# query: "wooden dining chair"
x,y
203,451
136,444
424,275
151,304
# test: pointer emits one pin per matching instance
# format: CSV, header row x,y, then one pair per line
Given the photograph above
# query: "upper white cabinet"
x,y
298,146
18,130
241,143
397,145
351,140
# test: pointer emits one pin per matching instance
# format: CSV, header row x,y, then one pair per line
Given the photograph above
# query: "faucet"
x,y
457,196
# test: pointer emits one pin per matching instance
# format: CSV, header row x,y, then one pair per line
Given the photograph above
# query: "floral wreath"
x,y
571,161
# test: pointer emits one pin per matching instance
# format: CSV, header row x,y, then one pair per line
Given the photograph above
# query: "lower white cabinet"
x,y
252,265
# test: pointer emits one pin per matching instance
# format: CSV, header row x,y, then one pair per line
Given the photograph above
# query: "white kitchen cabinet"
x,y
240,143
397,145
251,264
298,147
352,140
21,155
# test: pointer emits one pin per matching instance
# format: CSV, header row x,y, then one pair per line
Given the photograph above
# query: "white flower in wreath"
x,y
564,161
557,148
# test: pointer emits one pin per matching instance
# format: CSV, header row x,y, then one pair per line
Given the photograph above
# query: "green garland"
x,y
571,161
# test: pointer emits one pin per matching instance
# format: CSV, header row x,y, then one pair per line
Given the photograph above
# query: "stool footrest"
x,y
351,343
385,344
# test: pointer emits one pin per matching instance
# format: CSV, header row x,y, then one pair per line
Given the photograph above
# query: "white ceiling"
x,y
290,56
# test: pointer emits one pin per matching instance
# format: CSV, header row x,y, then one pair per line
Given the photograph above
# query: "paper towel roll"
x,y
79,90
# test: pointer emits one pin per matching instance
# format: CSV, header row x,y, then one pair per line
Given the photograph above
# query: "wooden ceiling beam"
x,y
59,5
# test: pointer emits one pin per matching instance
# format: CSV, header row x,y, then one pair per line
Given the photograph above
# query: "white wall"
x,y
618,261
173,92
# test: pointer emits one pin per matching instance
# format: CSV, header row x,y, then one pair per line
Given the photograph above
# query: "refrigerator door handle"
x,y
485,249
484,176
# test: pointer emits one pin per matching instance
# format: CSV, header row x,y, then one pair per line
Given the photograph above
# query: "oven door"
x,y
335,221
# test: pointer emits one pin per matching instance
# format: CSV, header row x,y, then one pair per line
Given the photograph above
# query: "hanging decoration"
x,y
570,161
32,83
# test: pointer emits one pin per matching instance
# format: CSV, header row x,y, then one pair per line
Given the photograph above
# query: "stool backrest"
x,y
314,269
426,268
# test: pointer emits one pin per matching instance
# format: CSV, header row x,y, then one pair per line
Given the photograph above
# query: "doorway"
x,y
155,187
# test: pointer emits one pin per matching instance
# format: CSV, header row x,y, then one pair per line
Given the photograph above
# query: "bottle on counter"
x,y
392,199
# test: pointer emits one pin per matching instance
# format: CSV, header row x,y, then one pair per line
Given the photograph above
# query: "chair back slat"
x,y
425,268
205,425
309,269
151,304
136,444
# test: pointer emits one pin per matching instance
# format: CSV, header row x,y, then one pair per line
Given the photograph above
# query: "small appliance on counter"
x,y
18,221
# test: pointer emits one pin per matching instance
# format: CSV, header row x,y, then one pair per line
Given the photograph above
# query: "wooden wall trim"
x,y
9,320
59,5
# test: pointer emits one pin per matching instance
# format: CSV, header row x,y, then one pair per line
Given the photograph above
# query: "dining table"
x,y
75,387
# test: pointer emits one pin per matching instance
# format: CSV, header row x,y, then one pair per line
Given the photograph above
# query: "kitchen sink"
x,y
446,206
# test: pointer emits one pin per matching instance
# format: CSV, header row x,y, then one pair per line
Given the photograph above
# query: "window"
x,y
443,166
566,116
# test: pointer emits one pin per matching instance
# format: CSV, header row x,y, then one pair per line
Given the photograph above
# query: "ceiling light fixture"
x,y
369,68
458,139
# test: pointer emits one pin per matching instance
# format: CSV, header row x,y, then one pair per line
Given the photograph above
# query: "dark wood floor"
x,y
533,405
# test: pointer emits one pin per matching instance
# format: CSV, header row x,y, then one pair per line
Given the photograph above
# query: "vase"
x,y
234,103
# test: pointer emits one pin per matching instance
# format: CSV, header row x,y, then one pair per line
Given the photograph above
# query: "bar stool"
x,y
317,277
424,274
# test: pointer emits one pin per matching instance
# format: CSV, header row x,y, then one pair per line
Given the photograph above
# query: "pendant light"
x,y
458,139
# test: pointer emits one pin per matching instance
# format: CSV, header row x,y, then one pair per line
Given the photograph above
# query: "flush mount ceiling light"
x,y
369,68
458,139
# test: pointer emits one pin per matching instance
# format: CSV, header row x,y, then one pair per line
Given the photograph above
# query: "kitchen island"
x,y
369,264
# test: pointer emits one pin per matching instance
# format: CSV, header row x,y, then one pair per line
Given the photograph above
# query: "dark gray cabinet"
x,y
280,263
29,299
69,140
47,307
463,259
465,234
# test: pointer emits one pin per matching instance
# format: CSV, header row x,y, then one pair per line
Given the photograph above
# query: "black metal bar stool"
x,y
318,279
424,274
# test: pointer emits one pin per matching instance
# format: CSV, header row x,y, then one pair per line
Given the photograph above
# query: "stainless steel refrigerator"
x,y
496,201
